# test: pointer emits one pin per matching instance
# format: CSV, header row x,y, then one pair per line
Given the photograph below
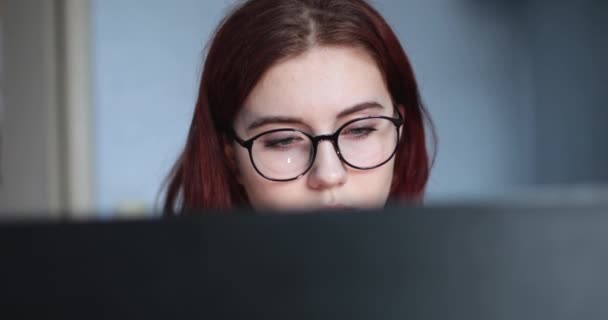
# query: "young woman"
x,y
303,104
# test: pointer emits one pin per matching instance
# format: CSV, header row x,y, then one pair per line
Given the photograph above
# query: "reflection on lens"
x,y
282,154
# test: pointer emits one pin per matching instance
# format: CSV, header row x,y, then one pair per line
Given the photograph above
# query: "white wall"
x,y
1,84
30,151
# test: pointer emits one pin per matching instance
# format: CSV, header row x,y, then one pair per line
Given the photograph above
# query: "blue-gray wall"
x,y
472,72
569,43
146,64
488,70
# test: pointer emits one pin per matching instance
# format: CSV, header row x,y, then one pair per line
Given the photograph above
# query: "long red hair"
x,y
254,36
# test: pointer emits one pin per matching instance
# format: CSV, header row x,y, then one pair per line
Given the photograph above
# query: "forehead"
x,y
317,85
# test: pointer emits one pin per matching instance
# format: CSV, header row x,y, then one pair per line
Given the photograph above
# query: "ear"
x,y
229,155
401,110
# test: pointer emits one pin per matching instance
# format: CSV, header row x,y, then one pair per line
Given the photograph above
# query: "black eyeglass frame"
x,y
333,138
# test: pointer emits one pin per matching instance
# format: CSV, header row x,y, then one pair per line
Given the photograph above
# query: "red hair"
x,y
253,37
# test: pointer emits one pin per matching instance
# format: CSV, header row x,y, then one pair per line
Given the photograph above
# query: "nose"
x,y
328,171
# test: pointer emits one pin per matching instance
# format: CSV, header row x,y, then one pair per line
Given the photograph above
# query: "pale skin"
x,y
316,92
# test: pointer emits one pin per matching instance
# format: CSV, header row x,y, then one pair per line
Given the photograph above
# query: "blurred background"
x,y
96,98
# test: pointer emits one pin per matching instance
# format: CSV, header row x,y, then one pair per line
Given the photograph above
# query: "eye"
x,y
360,132
282,143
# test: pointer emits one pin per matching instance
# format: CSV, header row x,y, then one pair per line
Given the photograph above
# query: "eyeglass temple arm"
x,y
238,139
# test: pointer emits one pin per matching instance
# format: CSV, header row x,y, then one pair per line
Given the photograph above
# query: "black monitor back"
x,y
399,263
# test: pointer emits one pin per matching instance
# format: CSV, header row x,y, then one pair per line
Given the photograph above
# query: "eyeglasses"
x,y
288,154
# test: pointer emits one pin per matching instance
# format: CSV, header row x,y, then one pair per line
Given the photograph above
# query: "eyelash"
x,y
366,131
279,143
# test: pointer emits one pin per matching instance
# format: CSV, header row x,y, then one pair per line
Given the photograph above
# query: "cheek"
x,y
371,188
266,194
245,170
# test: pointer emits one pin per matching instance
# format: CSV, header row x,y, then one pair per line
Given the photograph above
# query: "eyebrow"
x,y
291,120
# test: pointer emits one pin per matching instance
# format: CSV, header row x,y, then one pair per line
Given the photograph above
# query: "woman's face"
x,y
316,92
